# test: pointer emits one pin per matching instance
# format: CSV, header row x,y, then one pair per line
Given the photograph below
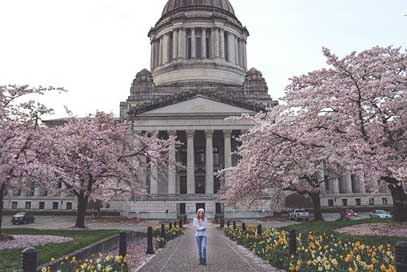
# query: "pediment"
x,y
199,105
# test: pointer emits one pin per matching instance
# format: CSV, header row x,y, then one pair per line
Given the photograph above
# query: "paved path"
x,y
223,255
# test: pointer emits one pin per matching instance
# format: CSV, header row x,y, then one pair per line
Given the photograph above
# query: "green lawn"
x,y
10,259
329,227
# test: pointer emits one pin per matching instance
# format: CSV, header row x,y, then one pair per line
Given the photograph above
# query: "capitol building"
x,y
198,77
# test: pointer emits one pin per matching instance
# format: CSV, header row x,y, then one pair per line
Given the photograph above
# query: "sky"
x,y
94,48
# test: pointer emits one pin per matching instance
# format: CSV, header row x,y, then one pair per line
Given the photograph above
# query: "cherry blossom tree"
x,y
276,157
350,117
19,122
98,158
363,101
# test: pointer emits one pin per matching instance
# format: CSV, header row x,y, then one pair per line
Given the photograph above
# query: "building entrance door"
x,y
200,206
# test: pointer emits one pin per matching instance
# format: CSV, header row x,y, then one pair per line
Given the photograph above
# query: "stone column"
x,y
152,55
166,47
190,162
37,191
237,56
156,53
244,54
321,176
228,152
175,44
172,168
160,51
362,184
241,54
222,44
193,43
181,43
348,183
153,178
203,41
232,48
209,162
216,46
335,186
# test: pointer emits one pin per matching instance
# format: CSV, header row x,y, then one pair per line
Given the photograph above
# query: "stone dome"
x,y
179,5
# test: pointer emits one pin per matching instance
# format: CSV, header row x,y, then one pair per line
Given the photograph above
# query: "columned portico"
x,y
190,162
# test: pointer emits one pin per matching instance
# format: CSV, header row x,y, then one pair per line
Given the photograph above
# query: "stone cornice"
x,y
184,96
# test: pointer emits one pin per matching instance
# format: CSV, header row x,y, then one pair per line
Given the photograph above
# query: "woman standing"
x,y
201,224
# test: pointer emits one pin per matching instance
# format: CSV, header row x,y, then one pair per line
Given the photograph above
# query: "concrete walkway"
x,y
223,255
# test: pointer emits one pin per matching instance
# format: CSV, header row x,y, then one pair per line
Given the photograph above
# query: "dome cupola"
x,y
173,6
198,41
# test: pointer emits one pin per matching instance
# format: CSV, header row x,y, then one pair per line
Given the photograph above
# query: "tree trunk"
x,y
316,202
82,207
399,202
2,188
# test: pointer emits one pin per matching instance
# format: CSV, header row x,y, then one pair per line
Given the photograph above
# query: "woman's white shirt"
x,y
201,226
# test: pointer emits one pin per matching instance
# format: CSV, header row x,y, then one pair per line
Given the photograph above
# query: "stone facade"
x,y
198,78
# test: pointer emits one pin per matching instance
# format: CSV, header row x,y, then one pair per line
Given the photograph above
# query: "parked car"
x,y
380,214
299,215
22,218
349,214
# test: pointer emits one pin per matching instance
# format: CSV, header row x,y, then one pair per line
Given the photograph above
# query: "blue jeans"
x,y
201,241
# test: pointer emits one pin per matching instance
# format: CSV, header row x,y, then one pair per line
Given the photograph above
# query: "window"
x,y
208,43
358,202
200,155
342,185
330,202
42,205
384,200
344,202
226,48
327,184
216,184
182,208
14,205
28,205
218,208
198,48
189,44
216,156
183,185
200,185
354,184
371,201
200,206
182,155
55,205
171,47
69,205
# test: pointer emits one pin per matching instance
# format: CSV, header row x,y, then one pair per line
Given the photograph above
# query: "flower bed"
x,y
105,264
169,234
315,252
